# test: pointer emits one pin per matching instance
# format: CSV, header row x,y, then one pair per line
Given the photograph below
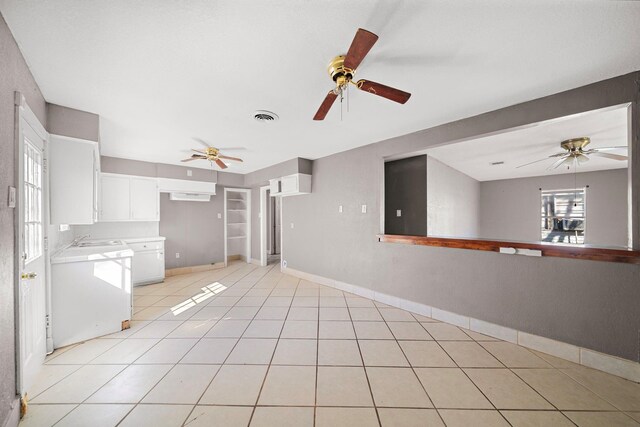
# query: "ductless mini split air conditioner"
x,y
189,197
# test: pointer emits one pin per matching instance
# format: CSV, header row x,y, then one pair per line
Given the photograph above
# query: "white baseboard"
x,y
604,362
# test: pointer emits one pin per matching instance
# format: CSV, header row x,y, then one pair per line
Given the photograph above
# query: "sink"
x,y
98,243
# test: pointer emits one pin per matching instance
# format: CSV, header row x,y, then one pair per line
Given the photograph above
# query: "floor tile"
x,y
300,329
272,313
346,417
365,313
251,301
451,388
505,390
150,313
157,329
476,418
228,329
470,355
126,352
537,419
192,329
514,356
84,352
397,417
180,313
252,351
130,385
167,351
623,394
303,313
339,353
210,313
427,354
408,331
45,415
157,416
397,387
275,301
167,301
372,331
289,386
598,419
183,384
264,329
336,330
223,301
396,315
79,385
305,302
227,416
95,415
50,375
235,385
210,351
334,313
343,386
135,326
282,417
359,302
328,301
563,392
295,352
382,353
445,332
241,312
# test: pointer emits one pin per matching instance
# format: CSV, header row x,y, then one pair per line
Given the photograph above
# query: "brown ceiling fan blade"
x,y
220,163
609,156
325,106
360,46
384,91
237,159
194,157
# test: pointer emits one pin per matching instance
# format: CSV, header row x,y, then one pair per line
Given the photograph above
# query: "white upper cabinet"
x,y
144,199
128,198
291,185
74,167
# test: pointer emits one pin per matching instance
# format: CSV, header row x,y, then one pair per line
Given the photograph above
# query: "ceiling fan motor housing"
x,y
575,144
338,72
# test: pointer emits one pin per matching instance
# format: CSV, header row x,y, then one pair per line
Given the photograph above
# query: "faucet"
x,y
78,239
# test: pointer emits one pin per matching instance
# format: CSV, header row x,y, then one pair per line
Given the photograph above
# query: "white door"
x,y
144,199
31,228
114,198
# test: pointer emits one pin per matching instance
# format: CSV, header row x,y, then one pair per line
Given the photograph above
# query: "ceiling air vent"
x,y
265,116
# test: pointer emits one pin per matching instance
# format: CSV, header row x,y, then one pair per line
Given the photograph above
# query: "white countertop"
x,y
91,253
144,239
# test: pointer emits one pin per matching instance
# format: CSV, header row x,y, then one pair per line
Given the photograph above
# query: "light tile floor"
x,y
247,345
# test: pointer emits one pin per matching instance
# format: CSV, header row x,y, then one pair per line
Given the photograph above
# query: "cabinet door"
x,y
114,198
274,186
289,184
147,266
144,199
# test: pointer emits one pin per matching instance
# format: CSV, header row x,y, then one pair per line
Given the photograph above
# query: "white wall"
x,y
510,209
110,230
453,201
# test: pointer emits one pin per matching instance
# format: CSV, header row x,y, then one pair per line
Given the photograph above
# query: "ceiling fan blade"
x,y
220,163
194,157
384,91
620,147
202,142
199,151
237,159
232,148
542,160
557,163
360,46
325,106
610,156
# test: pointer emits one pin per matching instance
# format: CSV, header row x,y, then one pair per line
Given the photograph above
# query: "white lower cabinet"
x,y
147,265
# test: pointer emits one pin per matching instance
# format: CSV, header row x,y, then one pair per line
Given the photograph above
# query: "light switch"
x,y
364,208
291,225
219,216
177,254
399,212
189,172
340,209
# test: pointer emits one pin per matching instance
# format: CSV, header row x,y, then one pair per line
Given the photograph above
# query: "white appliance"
x,y
90,290
148,260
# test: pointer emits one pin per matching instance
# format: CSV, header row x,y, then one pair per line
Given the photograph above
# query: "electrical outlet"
x,y
364,208
219,216
189,172
177,254
291,225
398,212
284,263
340,208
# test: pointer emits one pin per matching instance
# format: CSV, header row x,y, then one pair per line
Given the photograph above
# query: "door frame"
x,y
25,116
263,224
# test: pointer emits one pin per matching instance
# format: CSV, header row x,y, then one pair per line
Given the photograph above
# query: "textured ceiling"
x,y
161,72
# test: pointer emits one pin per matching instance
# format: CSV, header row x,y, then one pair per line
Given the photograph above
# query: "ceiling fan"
x,y
575,152
342,68
213,154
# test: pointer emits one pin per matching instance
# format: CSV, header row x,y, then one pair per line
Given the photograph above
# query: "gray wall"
x,y
14,76
405,187
193,230
510,208
453,201
67,121
587,303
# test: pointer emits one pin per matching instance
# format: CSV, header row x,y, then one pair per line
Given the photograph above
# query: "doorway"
x,y
270,227
31,222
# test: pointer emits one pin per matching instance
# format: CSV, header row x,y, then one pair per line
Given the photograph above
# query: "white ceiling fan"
x,y
575,152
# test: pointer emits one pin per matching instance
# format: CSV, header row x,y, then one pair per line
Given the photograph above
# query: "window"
x,y
32,202
563,216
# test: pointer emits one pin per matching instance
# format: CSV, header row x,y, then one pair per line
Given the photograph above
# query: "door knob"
x,y
29,276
